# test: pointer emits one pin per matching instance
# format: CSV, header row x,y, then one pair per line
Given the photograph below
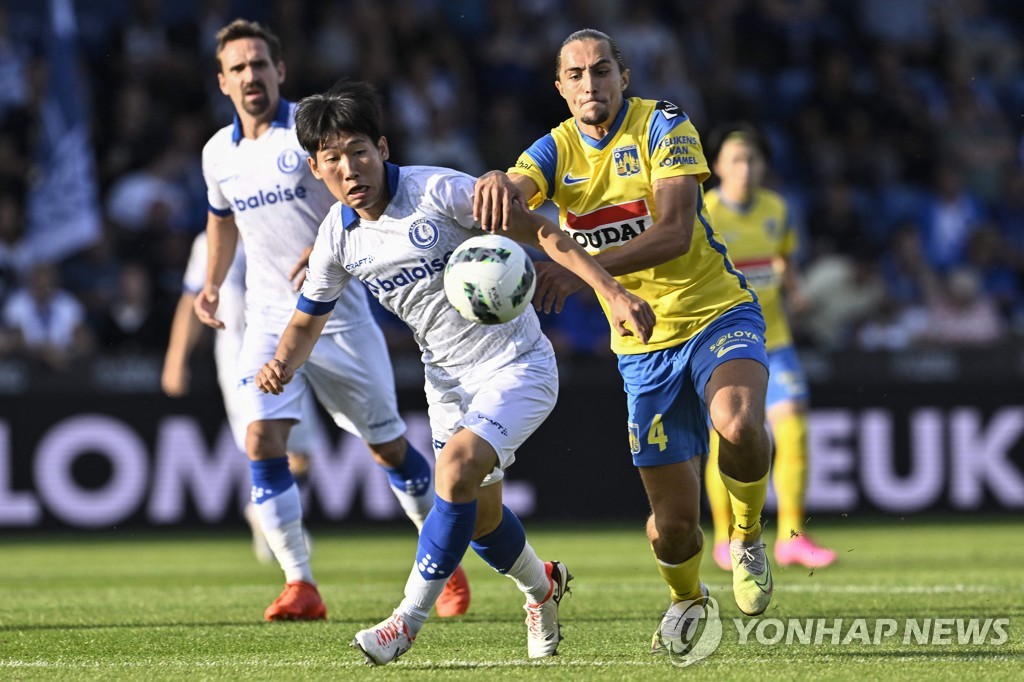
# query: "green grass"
x,y
168,606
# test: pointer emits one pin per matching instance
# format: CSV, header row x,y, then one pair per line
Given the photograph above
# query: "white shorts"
x,y
300,438
502,405
349,372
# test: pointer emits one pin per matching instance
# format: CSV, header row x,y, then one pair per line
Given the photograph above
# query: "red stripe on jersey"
x,y
606,216
759,263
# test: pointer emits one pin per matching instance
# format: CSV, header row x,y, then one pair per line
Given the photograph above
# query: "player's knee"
x,y
675,529
459,473
390,454
264,440
744,433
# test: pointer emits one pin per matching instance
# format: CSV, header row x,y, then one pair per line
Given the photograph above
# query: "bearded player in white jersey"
x,y
488,387
260,189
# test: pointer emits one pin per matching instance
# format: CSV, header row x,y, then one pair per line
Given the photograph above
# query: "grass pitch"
x,y
163,606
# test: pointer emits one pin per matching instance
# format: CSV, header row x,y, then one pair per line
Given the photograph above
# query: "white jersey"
x,y
231,306
401,259
278,206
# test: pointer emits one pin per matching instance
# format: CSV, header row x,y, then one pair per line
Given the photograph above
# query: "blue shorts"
x,y
668,418
786,380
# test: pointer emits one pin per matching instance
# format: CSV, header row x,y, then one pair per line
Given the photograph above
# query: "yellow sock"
x,y
790,472
718,495
683,579
747,502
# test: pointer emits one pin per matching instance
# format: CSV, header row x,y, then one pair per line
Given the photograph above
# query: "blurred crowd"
x,y
896,130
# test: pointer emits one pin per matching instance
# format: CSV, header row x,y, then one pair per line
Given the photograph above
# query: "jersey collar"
x,y
280,120
349,215
603,142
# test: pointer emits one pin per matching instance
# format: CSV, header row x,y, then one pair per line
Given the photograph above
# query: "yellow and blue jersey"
x,y
604,190
758,236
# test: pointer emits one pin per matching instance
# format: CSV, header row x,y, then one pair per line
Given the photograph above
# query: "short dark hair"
x,y
737,130
348,107
590,34
242,28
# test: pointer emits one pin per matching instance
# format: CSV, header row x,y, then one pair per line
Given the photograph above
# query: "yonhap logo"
x,y
289,161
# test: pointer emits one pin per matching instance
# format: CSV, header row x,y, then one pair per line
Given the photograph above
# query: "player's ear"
x,y
222,82
558,86
382,147
625,80
280,72
311,160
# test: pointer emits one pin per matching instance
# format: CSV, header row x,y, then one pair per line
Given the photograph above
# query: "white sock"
x,y
420,596
416,507
281,520
529,576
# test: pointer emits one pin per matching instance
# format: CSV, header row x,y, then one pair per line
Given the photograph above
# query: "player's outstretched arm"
x,y
493,196
631,315
293,349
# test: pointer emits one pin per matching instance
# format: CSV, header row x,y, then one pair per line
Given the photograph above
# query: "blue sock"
x,y
445,538
270,478
501,547
412,476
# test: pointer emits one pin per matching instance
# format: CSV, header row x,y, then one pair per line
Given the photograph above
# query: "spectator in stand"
x,y
47,324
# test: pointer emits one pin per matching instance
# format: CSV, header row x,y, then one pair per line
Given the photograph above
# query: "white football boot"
x,y
384,642
544,631
674,635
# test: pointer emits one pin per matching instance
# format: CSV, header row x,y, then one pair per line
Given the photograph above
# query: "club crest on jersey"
x,y
289,160
423,234
634,438
627,160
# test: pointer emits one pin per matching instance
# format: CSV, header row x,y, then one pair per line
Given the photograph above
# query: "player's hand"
x,y
175,381
554,285
493,195
205,306
631,315
273,376
298,272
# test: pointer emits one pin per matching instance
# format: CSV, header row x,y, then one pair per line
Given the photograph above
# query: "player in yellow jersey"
x,y
762,242
626,176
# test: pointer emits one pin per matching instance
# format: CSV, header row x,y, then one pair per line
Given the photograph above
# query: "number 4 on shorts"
x,y
656,434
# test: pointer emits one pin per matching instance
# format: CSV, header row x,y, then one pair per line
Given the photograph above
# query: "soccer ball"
x,y
489,279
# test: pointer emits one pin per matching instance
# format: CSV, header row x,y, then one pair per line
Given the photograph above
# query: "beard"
x,y
597,115
255,107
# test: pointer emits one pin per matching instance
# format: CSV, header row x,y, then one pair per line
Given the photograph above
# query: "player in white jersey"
x,y
176,381
488,387
260,189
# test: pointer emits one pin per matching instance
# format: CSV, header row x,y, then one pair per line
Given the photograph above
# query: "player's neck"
x,y
736,196
254,126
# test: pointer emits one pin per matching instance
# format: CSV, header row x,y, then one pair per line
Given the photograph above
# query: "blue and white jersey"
x,y
278,206
401,259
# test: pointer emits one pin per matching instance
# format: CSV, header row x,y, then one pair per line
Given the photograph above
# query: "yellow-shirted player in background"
x,y
762,241
626,176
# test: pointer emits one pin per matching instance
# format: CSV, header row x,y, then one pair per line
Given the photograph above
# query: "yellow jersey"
x,y
758,235
604,190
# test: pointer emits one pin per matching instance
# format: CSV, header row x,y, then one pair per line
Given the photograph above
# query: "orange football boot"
x,y
454,600
299,601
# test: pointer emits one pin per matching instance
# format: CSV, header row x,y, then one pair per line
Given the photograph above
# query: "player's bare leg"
x,y
735,396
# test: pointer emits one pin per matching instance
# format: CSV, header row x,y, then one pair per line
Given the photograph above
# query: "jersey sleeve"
x,y
539,163
674,145
452,195
217,203
195,271
790,238
326,277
